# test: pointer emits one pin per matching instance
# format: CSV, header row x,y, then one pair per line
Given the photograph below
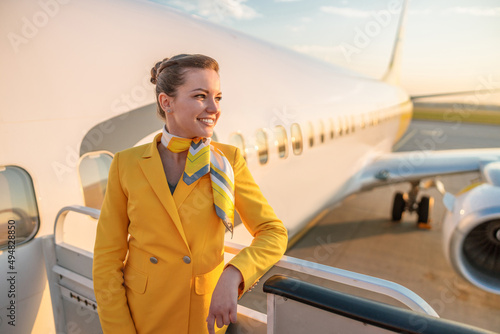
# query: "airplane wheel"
x,y
424,211
398,207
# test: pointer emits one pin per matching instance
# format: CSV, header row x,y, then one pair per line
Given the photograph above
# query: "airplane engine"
x,y
472,235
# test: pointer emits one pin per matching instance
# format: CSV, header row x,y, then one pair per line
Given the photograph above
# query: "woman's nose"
x,y
213,106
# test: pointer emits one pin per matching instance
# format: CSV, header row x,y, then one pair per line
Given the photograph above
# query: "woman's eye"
x,y
200,96
218,98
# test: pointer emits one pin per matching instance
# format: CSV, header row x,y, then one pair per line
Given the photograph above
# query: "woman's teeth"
x,y
207,121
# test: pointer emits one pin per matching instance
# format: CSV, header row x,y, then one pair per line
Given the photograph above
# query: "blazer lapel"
x,y
183,190
152,167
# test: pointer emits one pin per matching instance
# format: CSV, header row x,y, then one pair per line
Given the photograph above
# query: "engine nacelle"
x,y
472,235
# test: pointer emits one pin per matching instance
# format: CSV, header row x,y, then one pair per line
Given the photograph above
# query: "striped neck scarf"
x,y
204,158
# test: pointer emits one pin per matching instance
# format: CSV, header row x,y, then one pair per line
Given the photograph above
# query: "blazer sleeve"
x,y
110,251
270,235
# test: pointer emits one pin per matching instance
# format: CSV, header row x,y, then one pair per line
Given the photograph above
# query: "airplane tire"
x,y
398,207
424,209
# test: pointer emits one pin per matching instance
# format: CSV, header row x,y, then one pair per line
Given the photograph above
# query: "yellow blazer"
x,y
176,244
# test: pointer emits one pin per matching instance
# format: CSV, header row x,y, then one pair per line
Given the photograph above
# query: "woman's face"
x,y
195,109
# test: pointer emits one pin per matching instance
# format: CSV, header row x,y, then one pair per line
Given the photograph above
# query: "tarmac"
x,y
359,236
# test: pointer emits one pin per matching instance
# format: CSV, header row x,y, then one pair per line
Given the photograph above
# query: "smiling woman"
x,y
191,84
174,279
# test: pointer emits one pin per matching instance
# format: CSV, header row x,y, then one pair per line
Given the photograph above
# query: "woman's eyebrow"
x,y
204,90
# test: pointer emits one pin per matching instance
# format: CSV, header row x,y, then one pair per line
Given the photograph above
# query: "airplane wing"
x,y
417,165
471,228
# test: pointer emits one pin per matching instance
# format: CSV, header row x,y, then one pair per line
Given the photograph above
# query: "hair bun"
x,y
155,71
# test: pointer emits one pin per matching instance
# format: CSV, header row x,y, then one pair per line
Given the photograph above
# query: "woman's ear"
x,y
164,101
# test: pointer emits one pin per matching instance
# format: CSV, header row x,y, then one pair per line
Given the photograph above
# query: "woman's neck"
x,y
178,158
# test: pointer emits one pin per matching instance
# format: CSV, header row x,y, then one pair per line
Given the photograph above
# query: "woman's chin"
x,y
207,132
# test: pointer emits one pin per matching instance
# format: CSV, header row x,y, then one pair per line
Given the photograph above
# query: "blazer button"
x,y
186,259
153,260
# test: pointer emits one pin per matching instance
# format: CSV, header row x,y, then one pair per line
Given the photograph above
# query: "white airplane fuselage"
x,y
69,66
91,62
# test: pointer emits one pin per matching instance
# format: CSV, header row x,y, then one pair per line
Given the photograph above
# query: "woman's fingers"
x,y
210,324
219,320
221,316
223,306
226,317
233,315
210,327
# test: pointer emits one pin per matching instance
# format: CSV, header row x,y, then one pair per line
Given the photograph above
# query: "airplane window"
x,y
296,138
353,124
341,126
362,122
19,218
311,134
93,170
347,125
332,129
236,139
281,141
321,131
261,138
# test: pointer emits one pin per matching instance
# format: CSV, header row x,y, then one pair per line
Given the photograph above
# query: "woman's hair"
x,y
169,74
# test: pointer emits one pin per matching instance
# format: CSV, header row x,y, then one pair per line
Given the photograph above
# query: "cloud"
x,y
323,52
227,8
311,48
186,5
343,11
218,10
476,11
286,0
420,11
296,28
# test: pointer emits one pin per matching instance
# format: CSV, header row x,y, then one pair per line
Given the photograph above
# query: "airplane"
x,y
75,90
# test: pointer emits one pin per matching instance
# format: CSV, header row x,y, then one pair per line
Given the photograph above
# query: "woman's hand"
x,y
224,299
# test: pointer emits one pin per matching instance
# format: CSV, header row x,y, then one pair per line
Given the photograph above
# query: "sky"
x,y
449,46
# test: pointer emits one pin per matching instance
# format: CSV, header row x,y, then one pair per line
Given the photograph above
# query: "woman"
x,y
159,250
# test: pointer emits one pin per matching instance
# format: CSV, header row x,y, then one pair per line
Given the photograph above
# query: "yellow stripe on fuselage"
x,y
406,113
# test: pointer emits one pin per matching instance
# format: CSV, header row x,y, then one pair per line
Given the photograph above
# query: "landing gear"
x,y
424,212
398,207
408,202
